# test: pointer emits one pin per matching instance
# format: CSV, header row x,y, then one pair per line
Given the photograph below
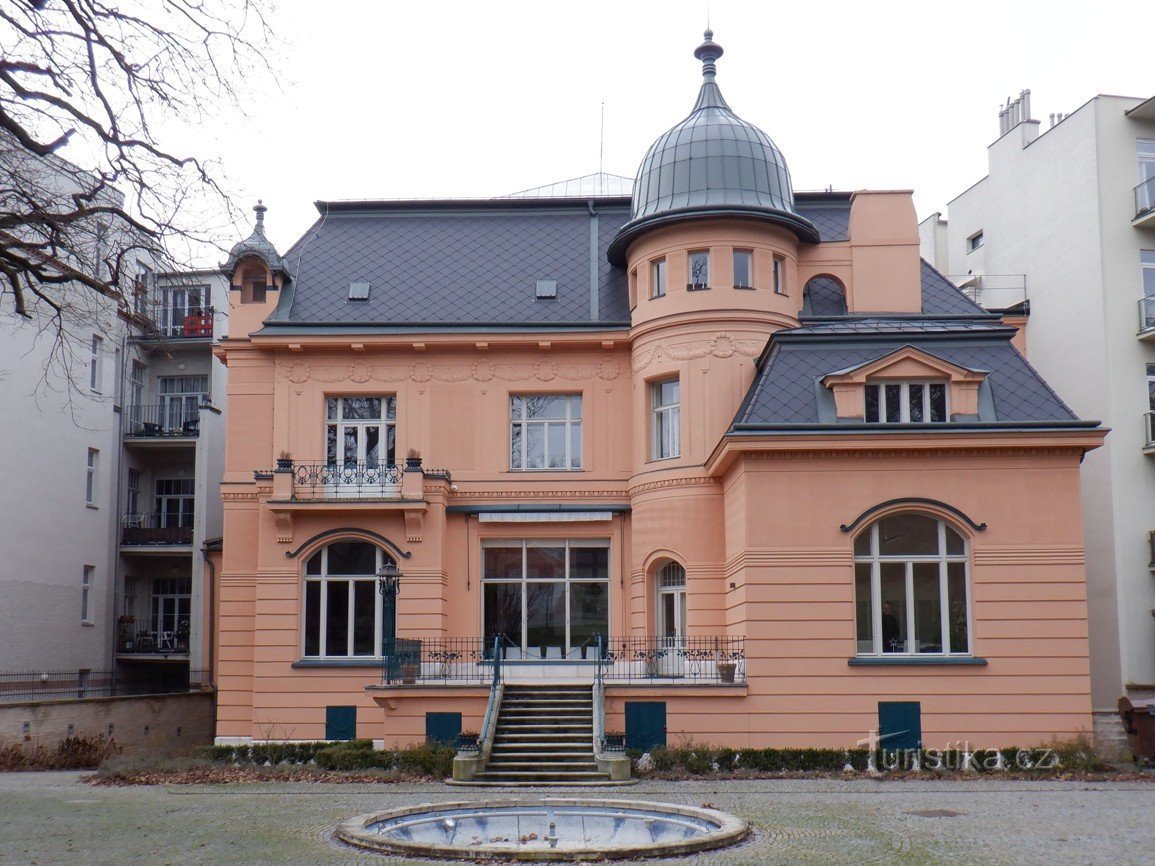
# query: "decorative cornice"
x,y
240,497
350,531
668,483
721,346
920,451
481,371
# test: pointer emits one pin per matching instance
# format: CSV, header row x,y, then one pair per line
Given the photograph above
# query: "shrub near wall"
x,y
423,760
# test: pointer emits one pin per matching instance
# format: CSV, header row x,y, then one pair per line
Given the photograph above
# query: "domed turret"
x,y
711,164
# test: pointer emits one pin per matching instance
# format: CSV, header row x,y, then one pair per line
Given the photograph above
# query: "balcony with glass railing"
x,y
1145,203
994,292
1149,433
1147,318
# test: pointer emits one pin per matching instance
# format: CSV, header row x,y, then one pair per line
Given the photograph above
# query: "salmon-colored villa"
x,y
718,461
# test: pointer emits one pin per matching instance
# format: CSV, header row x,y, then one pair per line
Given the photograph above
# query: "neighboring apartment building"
x,y
114,435
733,454
1064,220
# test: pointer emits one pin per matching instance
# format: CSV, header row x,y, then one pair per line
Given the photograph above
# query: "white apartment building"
x,y
1063,228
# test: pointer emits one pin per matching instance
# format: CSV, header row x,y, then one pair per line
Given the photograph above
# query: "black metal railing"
x,y
408,661
1145,197
179,322
359,480
695,659
65,685
150,642
156,528
165,419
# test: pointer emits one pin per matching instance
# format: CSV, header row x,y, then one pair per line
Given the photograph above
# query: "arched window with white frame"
x,y
343,611
911,587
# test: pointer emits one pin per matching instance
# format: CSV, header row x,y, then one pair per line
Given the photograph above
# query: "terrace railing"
x,y
353,480
156,528
59,685
698,659
165,419
179,322
408,661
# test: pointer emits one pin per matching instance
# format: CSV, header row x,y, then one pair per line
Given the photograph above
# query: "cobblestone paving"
x,y
49,818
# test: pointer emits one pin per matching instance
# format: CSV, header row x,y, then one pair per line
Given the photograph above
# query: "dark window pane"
x,y
938,403
372,445
700,268
503,611
515,408
742,268
545,616
893,403
337,618
391,408
391,445
515,434
361,408
312,618
364,618
589,563
331,444
313,566
954,542
502,563
331,408
589,612
872,403
862,610
927,608
916,413
545,563
957,605
862,543
893,583
352,557
908,535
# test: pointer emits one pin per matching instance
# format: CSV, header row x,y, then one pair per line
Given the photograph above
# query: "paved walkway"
x,y
53,818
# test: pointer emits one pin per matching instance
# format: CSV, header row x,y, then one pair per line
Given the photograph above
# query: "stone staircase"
x,y
544,736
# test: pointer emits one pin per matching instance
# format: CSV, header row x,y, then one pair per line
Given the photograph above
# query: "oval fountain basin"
x,y
544,829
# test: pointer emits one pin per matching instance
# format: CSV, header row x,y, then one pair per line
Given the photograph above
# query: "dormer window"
x,y
699,270
906,403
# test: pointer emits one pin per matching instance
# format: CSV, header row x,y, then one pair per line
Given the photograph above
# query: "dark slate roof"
x,y
463,263
829,212
940,297
787,389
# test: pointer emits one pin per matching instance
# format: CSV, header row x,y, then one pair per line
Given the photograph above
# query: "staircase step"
x,y
542,776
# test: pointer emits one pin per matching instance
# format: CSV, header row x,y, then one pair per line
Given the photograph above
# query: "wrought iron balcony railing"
x,y
179,322
719,659
436,660
156,528
1145,197
177,418
155,642
353,480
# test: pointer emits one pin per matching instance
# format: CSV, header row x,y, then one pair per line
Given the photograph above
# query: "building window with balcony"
x,y
86,594
906,403
175,500
550,599
699,270
343,608
184,313
171,612
910,588
1145,191
658,278
90,479
1150,416
180,401
132,492
545,431
743,269
665,419
361,431
96,365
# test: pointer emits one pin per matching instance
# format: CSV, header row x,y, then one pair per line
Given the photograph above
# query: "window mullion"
x,y
909,647
876,605
323,609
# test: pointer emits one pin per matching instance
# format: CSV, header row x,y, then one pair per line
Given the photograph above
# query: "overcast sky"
x,y
410,100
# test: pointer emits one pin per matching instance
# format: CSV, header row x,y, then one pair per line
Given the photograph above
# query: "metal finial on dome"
x,y
708,52
260,209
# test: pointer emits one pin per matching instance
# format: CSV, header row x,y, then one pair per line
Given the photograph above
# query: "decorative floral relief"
x,y
422,372
722,346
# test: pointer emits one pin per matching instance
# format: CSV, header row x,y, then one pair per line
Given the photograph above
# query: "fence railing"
x,y
165,419
180,322
446,659
66,685
993,291
720,659
149,642
354,480
156,528
1145,197
1146,314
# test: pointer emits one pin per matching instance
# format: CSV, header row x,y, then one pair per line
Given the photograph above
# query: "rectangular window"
x,y
779,275
361,432
545,431
132,493
95,366
550,599
699,270
906,403
974,242
175,500
1147,271
1145,191
90,477
658,278
743,269
666,419
86,593
171,613
180,402
141,287
117,372
633,288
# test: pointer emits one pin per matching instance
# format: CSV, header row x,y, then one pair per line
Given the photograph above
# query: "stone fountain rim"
x,y
731,830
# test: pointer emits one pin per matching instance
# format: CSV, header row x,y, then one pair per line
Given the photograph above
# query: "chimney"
x,y
1016,112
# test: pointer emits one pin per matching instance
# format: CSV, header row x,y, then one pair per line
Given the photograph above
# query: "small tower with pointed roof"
x,y
256,274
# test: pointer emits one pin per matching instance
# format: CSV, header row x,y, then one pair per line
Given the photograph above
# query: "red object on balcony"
x,y
198,325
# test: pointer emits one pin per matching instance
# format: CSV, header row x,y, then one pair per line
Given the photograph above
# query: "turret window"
x,y
743,269
779,276
658,278
699,270
666,421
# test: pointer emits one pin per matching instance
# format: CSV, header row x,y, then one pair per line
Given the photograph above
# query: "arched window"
x,y
343,609
671,586
910,587
823,296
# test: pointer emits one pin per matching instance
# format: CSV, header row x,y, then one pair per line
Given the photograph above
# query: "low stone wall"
x,y
148,724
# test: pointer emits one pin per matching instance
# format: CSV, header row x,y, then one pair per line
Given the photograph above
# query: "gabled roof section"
x,y
908,362
788,395
941,297
458,264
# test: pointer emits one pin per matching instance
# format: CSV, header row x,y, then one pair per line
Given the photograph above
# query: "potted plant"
x,y
413,460
284,462
409,672
182,636
124,626
726,669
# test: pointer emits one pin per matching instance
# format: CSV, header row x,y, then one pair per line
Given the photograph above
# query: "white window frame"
x,y
975,241
86,581
670,580
569,648
180,399
91,478
96,365
1145,153
519,459
692,284
748,255
662,415
779,275
185,497
904,401
132,492
385,422
658,272
942,558
324,579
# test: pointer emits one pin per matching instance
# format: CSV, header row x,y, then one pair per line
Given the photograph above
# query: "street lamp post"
x,y
388,584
